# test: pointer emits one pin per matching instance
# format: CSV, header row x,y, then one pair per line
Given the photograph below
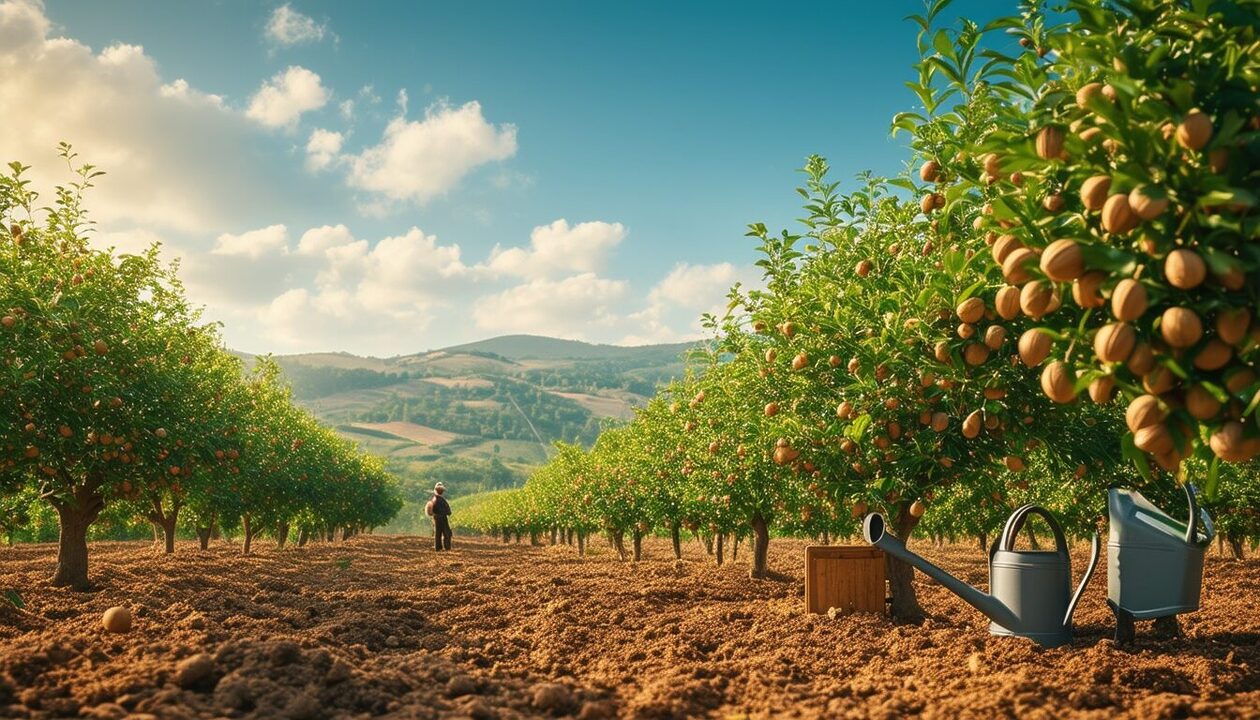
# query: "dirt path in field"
x,y
384,627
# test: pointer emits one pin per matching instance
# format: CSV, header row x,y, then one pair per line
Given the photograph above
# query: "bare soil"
x,y
385,627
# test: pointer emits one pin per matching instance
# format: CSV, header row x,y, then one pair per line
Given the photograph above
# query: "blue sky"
x,y
612,153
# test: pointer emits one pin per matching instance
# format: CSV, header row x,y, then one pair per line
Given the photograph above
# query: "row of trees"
x,y
114,393
936,346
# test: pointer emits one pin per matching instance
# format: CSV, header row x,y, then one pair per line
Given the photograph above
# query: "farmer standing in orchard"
x,y
440,511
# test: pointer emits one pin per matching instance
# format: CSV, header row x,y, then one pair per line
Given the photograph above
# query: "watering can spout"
x,y
874,530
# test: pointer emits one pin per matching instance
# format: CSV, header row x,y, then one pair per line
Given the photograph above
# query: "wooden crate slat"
x,y
850,578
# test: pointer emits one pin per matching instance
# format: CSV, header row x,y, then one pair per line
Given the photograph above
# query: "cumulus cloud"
x,y
418,160
558,249
329,289
281,100
675,304
254,243
290,27
368,298
322,149
116,108
579,307
316,240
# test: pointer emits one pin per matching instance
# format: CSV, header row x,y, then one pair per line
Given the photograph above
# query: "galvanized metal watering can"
x,y
1031,591
1154,562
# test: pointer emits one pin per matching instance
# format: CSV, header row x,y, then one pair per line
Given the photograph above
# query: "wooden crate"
x,y
850,578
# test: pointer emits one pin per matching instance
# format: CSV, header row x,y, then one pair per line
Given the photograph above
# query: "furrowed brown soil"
x,y
382,626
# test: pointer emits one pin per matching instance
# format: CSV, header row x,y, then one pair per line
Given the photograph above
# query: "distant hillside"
x,y
480,415
537,347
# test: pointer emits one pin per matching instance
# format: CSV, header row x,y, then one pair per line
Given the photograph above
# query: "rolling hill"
x,y
481,415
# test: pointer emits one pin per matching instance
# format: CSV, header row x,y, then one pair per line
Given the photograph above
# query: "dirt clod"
x,y
460,685
552,698
195,673
598,710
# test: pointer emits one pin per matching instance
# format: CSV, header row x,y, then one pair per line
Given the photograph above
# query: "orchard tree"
x,y
85,339
1121,170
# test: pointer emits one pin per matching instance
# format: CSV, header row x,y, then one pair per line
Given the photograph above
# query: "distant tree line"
x,y
311,382
445,408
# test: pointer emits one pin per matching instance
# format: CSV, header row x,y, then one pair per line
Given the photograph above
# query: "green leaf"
x,y
857,427
13,597
971,290
1213,481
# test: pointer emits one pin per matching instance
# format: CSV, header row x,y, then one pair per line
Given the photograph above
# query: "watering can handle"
x,y
1016,521
1080,589
1197,515
1192,527
1012,527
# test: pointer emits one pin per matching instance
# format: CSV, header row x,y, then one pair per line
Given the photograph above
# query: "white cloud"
x,y
254,243
22,26
558,249
331,290
346,108
676,302
322,149
697,285
281,100
418,160
165,145
368,298
578,307
290,27
317,241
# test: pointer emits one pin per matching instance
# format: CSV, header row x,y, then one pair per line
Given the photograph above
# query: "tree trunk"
x,y
905,604
518,537
249,533
638,544
618,538
157,531
346,533
708,545
983,539
304,535
734,547
282,534
533,538
717,548
555,535
761,548
203,537
75,518
168,532
1235,547
675,536
826,537
581,541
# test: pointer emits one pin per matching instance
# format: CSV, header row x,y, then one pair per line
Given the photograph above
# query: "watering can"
x,y
1154,562
1031,591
